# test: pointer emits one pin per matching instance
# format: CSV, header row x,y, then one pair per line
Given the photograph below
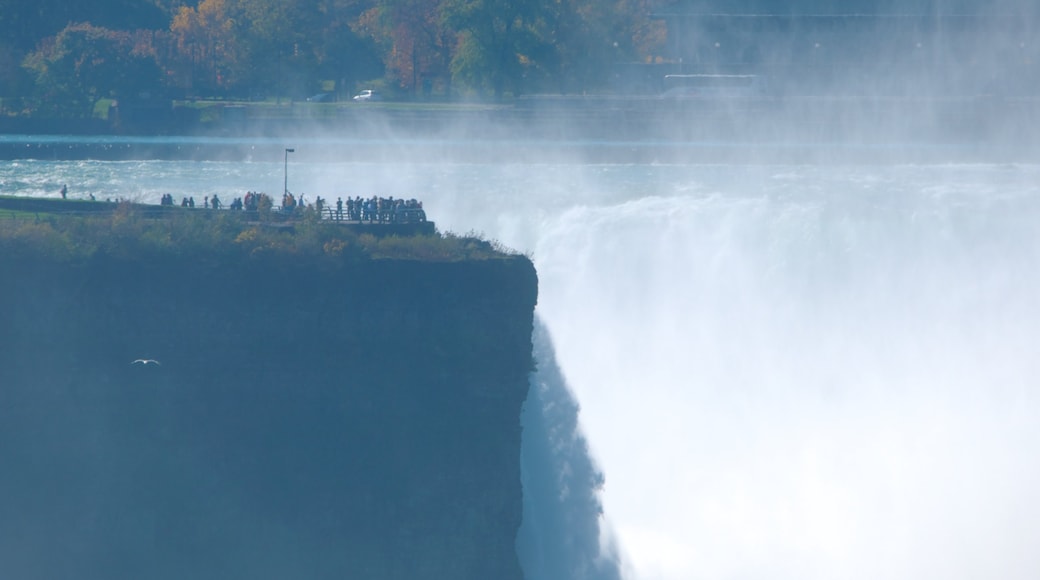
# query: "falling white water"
x,y
809,372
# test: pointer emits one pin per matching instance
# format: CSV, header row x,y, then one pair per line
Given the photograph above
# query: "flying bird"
x,y
146,361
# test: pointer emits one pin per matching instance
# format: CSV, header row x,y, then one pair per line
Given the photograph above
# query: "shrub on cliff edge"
x,y
131,232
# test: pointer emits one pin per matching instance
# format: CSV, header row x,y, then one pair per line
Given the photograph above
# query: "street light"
x,y
285,171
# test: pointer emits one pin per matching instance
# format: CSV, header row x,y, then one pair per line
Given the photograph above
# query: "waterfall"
x,y
757,371
806,372
561,536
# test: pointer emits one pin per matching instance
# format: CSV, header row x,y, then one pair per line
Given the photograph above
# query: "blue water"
x,y
783,370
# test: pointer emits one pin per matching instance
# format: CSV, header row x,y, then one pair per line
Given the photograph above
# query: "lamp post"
x,y
285,171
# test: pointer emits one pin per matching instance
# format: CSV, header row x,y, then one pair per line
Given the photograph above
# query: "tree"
x,y
13,78
229,47
277,43
346,51
347,58
416,45
501,42
591,36
208,50
24,23
84,63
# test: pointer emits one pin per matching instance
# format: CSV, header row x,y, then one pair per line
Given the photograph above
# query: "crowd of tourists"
x,y
215,203
379,210
383,210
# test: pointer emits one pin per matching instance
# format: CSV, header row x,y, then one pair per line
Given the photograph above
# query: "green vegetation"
x,y
128,232
59,58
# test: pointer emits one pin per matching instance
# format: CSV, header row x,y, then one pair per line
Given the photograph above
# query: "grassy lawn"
x,y
274,108
9,217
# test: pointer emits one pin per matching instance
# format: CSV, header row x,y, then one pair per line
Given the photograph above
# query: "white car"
x,y
367,95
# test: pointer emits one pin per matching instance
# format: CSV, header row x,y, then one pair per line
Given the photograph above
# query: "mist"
x,y
777,370
799,372
786,337
563,534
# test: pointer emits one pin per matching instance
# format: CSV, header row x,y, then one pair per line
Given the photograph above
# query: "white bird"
x,y
146,361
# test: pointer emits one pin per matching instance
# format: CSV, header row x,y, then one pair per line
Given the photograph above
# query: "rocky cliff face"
x,y
358,422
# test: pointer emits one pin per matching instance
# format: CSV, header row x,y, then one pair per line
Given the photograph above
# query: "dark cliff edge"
x,y
355,422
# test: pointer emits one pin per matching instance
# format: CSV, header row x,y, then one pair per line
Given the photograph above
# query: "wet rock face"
x,y
362,423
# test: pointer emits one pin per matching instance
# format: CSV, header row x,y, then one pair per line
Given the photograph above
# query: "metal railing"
x,y
158,212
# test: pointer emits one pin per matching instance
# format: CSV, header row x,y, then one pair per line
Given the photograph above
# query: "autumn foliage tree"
x,y
417,46
207,49
293,47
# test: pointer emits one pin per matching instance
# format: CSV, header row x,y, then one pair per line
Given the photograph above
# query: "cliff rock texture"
x,y
358,422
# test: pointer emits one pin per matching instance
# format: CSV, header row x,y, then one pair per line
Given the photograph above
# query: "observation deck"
x,y
15,208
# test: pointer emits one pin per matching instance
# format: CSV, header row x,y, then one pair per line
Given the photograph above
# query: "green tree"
x,y
277,39
501,44
346,57
14,80
85,63
345,52
24,24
